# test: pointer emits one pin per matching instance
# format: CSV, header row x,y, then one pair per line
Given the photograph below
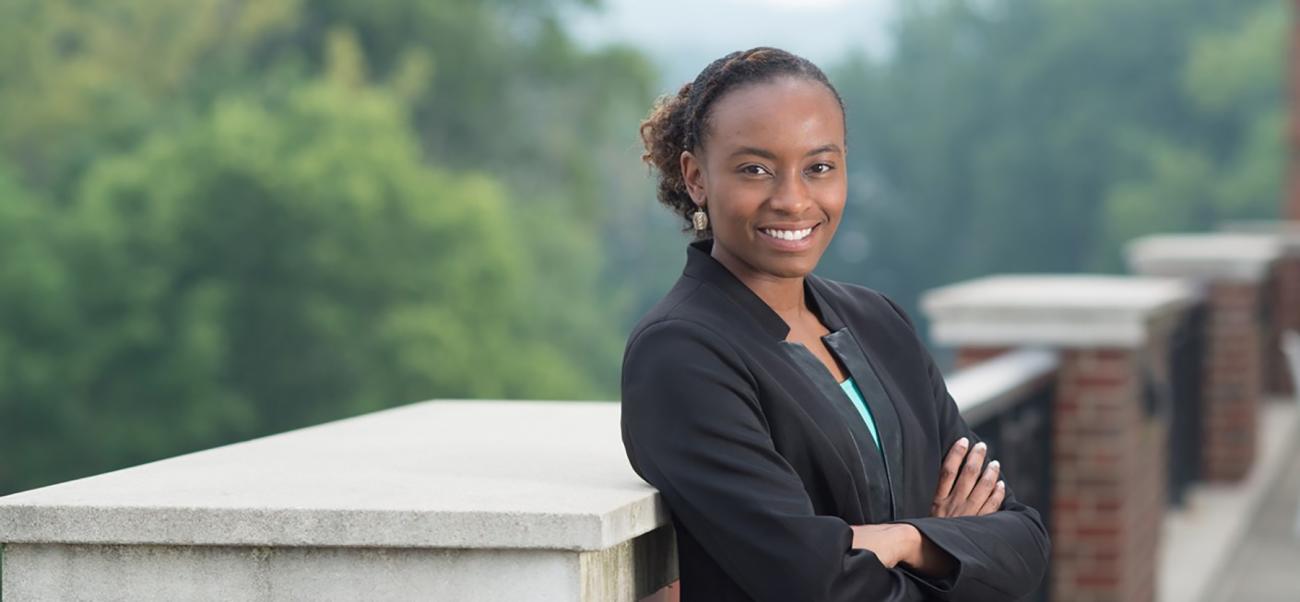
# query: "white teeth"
x,y
788,234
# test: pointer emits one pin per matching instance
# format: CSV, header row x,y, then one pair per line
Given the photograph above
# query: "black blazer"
x,y
764,464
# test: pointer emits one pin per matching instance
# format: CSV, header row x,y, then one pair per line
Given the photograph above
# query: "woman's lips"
x,y
789,240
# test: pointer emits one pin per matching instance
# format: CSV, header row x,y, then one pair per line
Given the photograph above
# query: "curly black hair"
x,y
678,121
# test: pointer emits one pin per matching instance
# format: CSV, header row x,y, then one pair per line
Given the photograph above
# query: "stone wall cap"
x,y
1232,256
1060,310
990,387
1286,231
442,474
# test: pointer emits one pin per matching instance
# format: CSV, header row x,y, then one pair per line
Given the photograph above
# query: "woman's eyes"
x,y
758,170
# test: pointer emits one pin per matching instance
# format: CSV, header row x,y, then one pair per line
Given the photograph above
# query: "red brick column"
x,y
1286,316
1108,480
1233,380
969,356
1109,461
668,593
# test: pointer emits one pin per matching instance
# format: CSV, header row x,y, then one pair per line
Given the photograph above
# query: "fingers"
x,y
966,487
948,470
983,489
994,502
969,474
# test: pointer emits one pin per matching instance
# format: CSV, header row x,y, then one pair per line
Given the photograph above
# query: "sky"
x,y
683,36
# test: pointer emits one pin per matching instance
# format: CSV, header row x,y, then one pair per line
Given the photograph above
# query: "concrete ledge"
x,y
1231,256
166,573
1053,310
1286,232
438,474
1199,540
990,386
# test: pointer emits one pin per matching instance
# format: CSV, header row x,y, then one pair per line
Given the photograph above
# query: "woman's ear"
x,y
693,176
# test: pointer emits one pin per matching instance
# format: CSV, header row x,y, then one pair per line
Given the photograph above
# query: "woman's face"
x,y
771,173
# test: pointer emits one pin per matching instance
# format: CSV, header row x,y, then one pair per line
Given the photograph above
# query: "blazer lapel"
x,y
845,416
878,470
875,392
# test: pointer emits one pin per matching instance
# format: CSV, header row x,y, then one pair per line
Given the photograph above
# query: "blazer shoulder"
x,y
690,324
866,302
690,303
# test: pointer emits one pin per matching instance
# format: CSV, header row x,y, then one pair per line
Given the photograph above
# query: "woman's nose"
x,y
790,194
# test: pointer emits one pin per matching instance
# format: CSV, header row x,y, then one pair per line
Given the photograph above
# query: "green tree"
x,y
239,217
1037,135
1229,163
37,308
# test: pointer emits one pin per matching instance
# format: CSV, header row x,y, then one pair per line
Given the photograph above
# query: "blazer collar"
x,y
700,264
883,473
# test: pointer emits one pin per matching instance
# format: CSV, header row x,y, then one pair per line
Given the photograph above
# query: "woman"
x,y
796,427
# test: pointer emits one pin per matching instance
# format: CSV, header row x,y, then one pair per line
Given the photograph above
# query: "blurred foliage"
x,y
1041,135
225,218
1230,165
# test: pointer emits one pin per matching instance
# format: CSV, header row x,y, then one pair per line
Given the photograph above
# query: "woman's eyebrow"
x,y
823,149
750,150
767,154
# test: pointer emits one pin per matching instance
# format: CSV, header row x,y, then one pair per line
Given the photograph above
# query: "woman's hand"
x,y
962,490
901,544
892,543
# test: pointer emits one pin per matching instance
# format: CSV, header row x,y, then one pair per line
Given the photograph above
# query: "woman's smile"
x,y
790,238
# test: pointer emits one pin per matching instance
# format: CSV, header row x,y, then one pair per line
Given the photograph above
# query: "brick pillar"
x,y
1280,292
668,593
1275,380
1235,268
1232,380
1109,449
1286,315
969,356
1108,462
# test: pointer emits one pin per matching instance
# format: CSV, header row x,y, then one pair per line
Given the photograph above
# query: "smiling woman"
x,y
796,427
775,188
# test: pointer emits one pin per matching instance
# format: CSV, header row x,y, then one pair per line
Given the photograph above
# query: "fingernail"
x,y
1001,485
963,442
994,465
980,446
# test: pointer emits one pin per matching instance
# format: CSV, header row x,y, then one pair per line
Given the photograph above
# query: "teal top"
x,y
851,389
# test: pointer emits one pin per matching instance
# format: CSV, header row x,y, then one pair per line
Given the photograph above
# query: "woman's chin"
x,y
790,267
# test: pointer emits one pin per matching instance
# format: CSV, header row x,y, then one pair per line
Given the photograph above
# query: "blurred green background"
x,y
221,219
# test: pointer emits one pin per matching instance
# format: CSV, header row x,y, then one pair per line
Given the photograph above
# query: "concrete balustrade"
x,y
440,500
1283,299
530,500
1236,271
1109,462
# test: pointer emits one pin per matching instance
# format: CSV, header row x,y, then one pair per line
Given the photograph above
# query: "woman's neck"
x,y
784,295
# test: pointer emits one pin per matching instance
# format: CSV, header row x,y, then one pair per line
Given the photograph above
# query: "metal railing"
x,y
1182,386
1008,401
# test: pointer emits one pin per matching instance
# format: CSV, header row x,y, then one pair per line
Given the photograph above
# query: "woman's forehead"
x,y
785,114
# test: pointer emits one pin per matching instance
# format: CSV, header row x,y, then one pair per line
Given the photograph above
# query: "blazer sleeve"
x,y
1000,556
693,428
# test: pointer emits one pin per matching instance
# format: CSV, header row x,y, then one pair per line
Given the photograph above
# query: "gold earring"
x,y
701,219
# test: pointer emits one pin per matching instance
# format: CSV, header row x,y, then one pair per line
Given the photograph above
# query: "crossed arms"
x,y
693,428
